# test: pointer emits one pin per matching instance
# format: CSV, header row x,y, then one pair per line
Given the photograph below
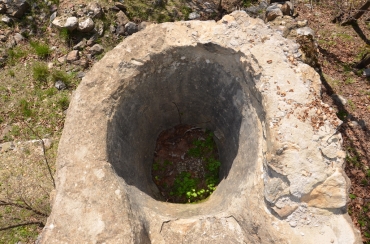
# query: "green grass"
x,y
15,54
42,50
40,72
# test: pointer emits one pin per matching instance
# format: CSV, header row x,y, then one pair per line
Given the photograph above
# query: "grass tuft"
x,y
40,72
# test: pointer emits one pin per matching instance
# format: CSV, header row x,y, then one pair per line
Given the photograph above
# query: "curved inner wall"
x,y
202,86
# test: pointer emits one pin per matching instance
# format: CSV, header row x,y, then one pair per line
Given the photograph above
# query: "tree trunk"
x,y
364,61
358,14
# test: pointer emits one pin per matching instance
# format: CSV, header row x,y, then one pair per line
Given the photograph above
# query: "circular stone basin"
x,y
279,156
203,85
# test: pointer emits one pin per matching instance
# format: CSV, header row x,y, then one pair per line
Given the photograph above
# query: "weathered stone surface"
x,y
70,23
122,19
73,56
16,8
333,193
86,25
258,103
96,49
273,11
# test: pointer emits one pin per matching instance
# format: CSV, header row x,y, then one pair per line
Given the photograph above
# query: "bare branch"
x,y
44,153
25,206
23,224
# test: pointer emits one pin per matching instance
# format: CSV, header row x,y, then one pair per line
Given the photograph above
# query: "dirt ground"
x,y
185,164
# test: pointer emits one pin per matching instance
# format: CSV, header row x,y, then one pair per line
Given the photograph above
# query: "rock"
x,y
92,40
11,43
53,16
73,56
286,210
193,15
308,49
305,31
18,38
113,121
70,23
120,30
112,29
143,25
17,8
96,9
3,38
302,23
6,20
2,8
96,49
330,151
333,193
86,25
366,72
62,59
99,28
81,45
131,28
257,11
6,147
287,8
272,12
80,75
60,85
5,132
122,19
84,63
53,8
120,6
339,99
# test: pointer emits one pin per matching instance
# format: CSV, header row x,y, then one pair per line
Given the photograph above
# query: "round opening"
x,y
186,164
210,88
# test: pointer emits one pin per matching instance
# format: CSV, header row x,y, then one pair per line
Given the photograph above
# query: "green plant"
x,y
62,76
349,81
11,73
42,50
63,102
351,104
64,34
342,115
352,196
14,54
25,110
40,72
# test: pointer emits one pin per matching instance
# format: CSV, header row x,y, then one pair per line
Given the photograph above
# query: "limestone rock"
x,y
70,23
194,15
333,193
213,73
96,49
86,25
16,8
122,19
96,9
273,11
73,56
287,8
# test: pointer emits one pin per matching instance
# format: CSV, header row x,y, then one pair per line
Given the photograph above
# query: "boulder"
x,y
274,178
96,49
273,11
69,23
131,28
16,8
85,25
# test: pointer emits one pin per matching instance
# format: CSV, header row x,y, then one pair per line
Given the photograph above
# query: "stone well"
x,y
281,178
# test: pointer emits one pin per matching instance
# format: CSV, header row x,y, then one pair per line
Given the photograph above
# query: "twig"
x,y
23,224
44,153
6,203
